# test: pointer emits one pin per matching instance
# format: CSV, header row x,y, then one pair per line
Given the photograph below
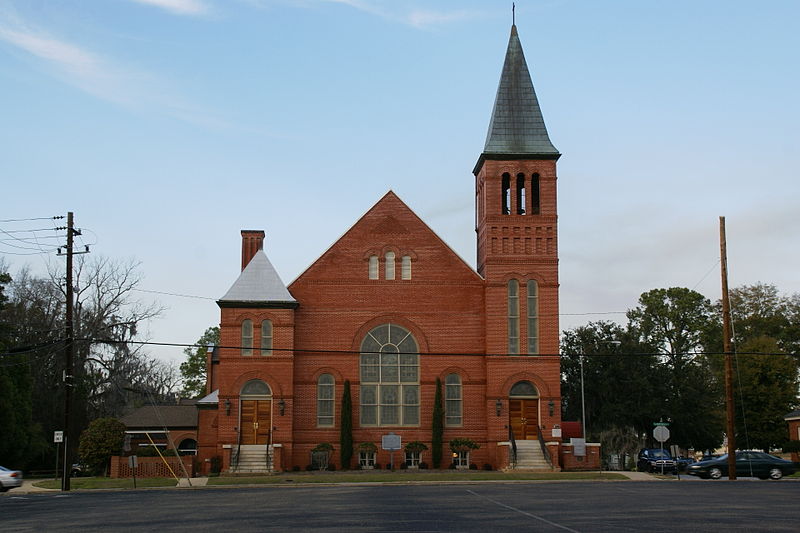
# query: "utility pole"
x,y
726,347
69,350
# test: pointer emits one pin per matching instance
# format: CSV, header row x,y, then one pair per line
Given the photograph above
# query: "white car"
x,y
9,479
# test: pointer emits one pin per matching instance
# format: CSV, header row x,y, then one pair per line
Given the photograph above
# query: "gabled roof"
x,y
517,127
171,416
210,399
259,283
794,415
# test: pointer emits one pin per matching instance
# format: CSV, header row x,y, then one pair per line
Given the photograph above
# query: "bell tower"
x,y
516,218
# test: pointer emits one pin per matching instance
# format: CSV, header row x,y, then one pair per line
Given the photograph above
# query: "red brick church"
x,y
391,308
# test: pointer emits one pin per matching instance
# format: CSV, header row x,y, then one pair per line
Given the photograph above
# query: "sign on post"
x,y
661,433
58,436
391,443
578,447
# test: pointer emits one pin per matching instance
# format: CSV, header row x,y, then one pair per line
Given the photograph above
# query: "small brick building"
x,y
793,419
391,309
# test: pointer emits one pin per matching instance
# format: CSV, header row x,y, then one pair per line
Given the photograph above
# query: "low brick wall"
x,y
151,466
569,462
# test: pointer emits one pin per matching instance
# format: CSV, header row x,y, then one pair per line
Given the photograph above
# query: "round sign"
x,y
661,433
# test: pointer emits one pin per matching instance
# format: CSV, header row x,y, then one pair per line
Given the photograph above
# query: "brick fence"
x,y
151,466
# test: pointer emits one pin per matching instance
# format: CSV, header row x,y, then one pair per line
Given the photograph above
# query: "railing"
x,y
268,457
545,451
513,456
235,454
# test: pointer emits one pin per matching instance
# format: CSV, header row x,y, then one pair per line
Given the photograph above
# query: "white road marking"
x,y
520,511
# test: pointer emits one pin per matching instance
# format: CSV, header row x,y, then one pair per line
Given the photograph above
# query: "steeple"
x,y
517,130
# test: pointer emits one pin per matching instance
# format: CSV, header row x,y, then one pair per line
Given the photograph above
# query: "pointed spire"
x,y
517,128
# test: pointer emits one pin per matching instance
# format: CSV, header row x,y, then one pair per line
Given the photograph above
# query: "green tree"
x,y
193,370
346,428
765,390
622,386
676,324
437,426
102,439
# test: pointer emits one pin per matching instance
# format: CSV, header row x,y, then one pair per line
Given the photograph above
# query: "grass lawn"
x,y
108,483
401,477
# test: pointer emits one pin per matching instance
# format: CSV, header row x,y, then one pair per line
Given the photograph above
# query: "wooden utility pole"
x,y
69,356
726,348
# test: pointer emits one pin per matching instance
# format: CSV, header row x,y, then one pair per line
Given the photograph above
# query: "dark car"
x,y
757,464
656,460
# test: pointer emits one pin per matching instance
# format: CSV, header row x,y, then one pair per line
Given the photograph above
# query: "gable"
x,y
389,226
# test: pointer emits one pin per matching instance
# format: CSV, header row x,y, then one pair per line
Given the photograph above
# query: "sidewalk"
x,y
28,488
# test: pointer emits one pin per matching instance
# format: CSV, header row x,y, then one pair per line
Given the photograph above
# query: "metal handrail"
x,y
545,451
513,458
235,458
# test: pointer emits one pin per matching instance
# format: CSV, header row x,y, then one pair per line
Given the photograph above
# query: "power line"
x,y
176,294
29,219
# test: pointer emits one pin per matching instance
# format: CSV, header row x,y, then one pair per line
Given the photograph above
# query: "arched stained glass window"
x,y
533,317
326,389
247,337
452,395
513,316
266,337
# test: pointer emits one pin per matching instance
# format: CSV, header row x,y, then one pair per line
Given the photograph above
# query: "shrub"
x,y
102,439
462,444
216,464
403,466
423,465
323,447
452,466
368,447
331,467
309,468
473,466
487,467
416,447
377,466
296,468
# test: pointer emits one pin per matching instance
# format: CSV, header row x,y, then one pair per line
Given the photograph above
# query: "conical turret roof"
x,y
517,128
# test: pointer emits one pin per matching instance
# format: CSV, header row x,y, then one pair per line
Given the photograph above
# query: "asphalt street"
x,y
539,506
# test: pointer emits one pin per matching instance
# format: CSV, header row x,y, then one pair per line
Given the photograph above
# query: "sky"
x,y
167,126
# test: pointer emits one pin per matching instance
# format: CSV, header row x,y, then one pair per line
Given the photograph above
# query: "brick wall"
x,y
152,466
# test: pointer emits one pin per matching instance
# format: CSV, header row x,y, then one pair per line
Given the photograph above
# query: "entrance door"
x,y
255,421
524,418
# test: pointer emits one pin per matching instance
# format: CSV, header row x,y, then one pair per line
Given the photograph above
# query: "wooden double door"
x,y
256,421
524,418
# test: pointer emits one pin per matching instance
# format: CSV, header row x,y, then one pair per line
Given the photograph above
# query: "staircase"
x,y
253,458
530,456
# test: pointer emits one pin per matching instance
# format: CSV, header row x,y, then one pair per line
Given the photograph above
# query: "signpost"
x,y
661,434
133,462
391,442
58,438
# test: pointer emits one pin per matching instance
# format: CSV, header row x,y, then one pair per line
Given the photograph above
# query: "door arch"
x,y
523,410
255,413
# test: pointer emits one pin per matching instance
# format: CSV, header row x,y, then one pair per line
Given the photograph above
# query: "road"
x,y
539,506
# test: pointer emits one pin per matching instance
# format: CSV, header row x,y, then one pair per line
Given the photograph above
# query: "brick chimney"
x,y
252,242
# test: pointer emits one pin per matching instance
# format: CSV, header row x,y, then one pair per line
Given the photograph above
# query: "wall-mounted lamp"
x,y
281,406
498,407
227,407
551,407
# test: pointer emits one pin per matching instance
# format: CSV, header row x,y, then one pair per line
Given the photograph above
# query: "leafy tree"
x,y
193,370
765,390
437,426
346,427
102,439
675,323
622,385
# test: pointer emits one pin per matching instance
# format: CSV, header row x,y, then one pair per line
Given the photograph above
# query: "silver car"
x,y
9,479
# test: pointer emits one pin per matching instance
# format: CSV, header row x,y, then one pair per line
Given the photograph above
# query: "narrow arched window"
x,y
247,337
520,194
513,316
389,265
506,194
266,337
452,395
405,270
535,201
326,389
373,267
533,317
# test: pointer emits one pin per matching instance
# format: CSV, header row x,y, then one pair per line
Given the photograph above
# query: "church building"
x,y
389,311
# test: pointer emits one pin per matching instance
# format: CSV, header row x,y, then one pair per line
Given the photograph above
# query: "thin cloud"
x,y
97,75
418,18
178,7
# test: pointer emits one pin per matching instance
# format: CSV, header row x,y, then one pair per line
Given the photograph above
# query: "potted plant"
x,y
461,447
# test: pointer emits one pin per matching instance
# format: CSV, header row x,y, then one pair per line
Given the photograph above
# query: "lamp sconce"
x,y
551,407
227,407
498,407
281,406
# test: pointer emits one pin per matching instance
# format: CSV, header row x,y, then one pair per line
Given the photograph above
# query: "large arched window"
x,y
533,317
247,337
452,395
326,389
266,337
405,268
389,391
513,316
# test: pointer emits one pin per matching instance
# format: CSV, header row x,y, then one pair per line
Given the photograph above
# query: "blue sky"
x,y
169,125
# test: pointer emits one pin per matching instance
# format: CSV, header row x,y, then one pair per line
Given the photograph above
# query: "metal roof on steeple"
x,y
517,128
259,285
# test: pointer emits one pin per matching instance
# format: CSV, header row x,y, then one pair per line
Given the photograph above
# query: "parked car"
x,y
9,479
656,460
758,464
684,462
